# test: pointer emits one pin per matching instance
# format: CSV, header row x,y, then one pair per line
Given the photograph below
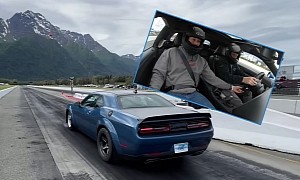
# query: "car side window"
x,y
157,26
89,101
99,101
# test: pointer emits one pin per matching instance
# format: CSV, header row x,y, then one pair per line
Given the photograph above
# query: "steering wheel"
x,y
259,87
260,75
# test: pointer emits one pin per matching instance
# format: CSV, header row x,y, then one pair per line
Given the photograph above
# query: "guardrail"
x,y
286,91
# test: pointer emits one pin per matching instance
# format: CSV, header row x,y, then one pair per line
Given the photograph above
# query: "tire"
x,y
70,123
106,147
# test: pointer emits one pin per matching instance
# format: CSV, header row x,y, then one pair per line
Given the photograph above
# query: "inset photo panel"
x,y
208,67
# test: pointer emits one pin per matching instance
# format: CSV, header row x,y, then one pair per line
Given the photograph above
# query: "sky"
x,y
122,26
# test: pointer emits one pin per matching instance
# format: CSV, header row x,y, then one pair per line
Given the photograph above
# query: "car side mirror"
x,y
270,75
78,103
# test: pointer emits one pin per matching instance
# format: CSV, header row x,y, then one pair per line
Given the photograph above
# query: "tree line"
x,y
77,81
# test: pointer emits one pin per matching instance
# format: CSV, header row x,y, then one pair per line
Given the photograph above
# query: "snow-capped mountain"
x,y
3,28
28,41
27,23
131,56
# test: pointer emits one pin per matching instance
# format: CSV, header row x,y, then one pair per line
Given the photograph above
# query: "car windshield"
x,y
143,101
254,63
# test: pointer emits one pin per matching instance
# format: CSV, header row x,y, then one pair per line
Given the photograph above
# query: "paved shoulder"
x,y
24,153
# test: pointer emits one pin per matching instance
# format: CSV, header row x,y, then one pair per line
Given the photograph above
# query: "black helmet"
x,y
190,48
234,48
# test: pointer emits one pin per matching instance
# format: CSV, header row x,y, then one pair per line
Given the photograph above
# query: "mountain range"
x,y
31,48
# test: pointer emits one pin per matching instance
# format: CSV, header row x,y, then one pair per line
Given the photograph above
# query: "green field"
x,y
5,87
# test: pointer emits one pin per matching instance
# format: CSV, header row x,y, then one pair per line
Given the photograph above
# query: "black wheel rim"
x,y
104,146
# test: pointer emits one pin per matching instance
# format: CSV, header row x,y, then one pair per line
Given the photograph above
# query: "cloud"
x,y
122,25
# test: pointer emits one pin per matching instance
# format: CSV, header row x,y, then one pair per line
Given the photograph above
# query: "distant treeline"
x,y
80,81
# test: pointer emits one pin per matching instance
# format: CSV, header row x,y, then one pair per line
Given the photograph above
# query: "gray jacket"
x,y
170,69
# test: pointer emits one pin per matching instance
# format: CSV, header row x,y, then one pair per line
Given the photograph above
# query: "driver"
x,y
227,69
171,74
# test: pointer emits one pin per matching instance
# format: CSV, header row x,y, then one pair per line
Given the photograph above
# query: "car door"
x,y
86,106
93,116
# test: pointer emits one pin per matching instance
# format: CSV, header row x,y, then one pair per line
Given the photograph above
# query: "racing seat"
x,y
150,58
166,44
206,51
220,51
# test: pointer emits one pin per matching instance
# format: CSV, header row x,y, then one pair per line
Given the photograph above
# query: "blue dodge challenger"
x,y
139,125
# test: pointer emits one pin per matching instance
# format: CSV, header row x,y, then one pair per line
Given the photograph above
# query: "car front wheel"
x,y
70,122
105,146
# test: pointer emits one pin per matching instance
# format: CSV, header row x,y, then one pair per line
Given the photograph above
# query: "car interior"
x,y
215,46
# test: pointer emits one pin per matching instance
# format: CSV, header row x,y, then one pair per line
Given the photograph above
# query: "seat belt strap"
x,y
187,65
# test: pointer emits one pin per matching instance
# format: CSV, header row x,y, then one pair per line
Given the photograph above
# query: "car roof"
x,y
177,24
223,38
120,92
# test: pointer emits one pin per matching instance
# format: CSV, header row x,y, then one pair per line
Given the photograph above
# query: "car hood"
x,y
143,113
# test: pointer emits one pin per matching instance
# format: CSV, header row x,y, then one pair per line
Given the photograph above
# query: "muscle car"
x,y
144,126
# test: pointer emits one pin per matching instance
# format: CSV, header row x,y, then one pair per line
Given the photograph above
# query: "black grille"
x,y
173,124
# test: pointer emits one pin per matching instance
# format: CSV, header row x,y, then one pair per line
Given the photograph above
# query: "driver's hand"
x,y
237,89
250,80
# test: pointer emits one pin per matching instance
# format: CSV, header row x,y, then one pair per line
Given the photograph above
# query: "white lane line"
x,y
260,152
68,160
4,92
282,113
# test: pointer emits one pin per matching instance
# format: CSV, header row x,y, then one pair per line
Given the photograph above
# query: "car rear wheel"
x,y
105,146
70,122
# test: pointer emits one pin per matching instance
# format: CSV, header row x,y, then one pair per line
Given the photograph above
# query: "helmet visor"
x,y
194,41
235,55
